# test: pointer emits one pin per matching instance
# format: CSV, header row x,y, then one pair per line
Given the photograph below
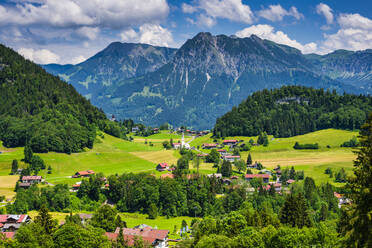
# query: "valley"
x,y
115,156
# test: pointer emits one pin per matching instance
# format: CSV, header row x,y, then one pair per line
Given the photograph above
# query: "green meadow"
x,y
111,155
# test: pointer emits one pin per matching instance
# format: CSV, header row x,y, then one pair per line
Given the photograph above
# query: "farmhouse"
x,y
265,177
222,152
290,181
135,129
253,166
12,222
176,145
230,142
31,179
209,146
162,167
231,158
155,130
216,175
153,237
341,199
202,155
24,185
75,187
86,173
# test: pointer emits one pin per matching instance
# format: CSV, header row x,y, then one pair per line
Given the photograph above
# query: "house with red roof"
x,y
230,142
162,167
86,173
290,181
209,146
176,145
12,222
265,177
222,152
167,175
231,158
31,179
153,237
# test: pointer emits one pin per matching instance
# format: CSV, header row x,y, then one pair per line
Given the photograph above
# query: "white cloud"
x,y
355,34
92,13
87,32
78,60
324,9
42,56
267,32
149,34
277,13
233,10
206,21
188,9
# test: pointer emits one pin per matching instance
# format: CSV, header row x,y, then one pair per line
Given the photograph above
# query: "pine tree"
x,y
28,153
249,159
294,212
45,220
356,222
14,166
226,169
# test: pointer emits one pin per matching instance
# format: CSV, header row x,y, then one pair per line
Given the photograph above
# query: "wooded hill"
x,y
294,110
39,108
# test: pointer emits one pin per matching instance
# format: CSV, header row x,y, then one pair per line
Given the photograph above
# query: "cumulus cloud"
x,y
326,11
149,34
206,21
355,33
233,10
77,13
88,32
42,56
189,9
267,32
78,60
277,13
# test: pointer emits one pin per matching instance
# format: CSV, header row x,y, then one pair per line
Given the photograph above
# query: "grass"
x,y
7,184
112,155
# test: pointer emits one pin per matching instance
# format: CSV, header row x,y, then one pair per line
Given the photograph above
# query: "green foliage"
x,y
28,153
167,145
44,219
42,111
294,212
276,113
249,159
353,142
240,165
153,211
341,176
14,167
213,157
104,218
226,169
299,146
37,164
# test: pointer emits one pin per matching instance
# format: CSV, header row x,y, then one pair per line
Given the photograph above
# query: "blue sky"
x,y
70,31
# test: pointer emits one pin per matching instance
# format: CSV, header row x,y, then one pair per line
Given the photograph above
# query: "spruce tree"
x,y
356,222
28,153
45,220
249,159
14,166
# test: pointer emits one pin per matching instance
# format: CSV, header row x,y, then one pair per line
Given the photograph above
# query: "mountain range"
x,y
205,77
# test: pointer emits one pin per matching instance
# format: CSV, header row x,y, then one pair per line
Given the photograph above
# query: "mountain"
x,y
354,68
39,109
116,62
203,79
294,110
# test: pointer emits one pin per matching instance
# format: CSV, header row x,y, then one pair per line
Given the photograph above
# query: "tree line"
x,y
293,110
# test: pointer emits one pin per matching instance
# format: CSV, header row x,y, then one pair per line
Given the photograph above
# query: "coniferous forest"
x,y
41,110
294,110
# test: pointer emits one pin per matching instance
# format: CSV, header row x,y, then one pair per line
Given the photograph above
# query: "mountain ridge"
x,y
208,75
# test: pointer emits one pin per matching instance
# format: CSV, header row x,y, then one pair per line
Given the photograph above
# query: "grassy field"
x,y
280,152
112,155
135,219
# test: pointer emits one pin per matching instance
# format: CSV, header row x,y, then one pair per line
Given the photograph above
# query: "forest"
x,y
294,110
43,111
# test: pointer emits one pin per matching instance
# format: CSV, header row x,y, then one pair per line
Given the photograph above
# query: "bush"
x,y
299,146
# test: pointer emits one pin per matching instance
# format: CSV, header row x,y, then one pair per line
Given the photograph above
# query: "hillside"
x,y
294,110
39,108
205,77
